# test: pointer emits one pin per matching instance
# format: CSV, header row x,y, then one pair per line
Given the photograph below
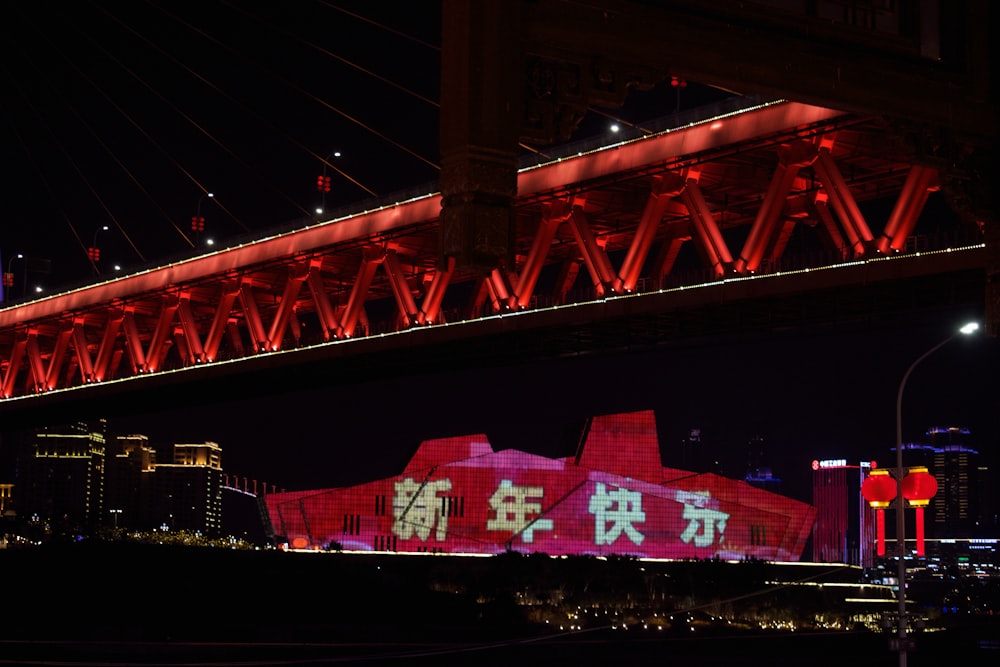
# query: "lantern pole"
x,y
900,518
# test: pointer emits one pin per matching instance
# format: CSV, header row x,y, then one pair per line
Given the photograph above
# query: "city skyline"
x,y
636,430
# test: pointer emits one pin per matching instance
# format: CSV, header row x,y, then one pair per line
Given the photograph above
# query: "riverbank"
x,y
199,604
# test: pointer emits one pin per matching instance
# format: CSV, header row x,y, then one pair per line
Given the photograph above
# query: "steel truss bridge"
x,y
754,217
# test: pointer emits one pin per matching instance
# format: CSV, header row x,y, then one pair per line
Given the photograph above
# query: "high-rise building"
x,y
60,479
6,493
76,479
954,510
759,472
844,531
689,455
130,463
963,512
187,494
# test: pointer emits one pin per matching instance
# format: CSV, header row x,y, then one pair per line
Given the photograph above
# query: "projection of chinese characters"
x,y
457,495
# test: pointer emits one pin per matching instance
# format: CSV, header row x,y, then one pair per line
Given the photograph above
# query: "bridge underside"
x,y
923,68
741,193
845,300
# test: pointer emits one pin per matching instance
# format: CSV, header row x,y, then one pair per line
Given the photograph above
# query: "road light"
x,y
8,276
900,523
93,252
198,222
323,182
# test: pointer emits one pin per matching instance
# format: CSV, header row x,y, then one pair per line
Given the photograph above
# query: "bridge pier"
x,y
480,117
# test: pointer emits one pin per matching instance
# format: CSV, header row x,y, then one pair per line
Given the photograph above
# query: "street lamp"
x,y
323,182
900,522
198,222
8,276
93,252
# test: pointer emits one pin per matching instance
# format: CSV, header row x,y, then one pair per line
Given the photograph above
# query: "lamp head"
x,y
969,328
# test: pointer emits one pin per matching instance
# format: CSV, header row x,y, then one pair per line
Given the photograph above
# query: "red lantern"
x,y
879,489
919,486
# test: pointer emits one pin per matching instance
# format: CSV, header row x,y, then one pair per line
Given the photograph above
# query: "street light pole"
x,y
323,184
900,518
94,252
198,222
9,275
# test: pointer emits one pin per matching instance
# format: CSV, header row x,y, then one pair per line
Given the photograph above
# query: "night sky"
x,y
126,114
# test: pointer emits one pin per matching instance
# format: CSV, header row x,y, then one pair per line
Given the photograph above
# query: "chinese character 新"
x,y
414,508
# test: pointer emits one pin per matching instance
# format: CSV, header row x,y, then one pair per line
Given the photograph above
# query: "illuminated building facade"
x,y
6,493
130,460
956,510
458,495
845,526
60,480
145,494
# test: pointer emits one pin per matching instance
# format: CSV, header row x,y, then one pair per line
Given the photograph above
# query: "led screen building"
x,y
458,495
837,497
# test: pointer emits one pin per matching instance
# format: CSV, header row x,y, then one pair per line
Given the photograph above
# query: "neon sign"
x,y
829,463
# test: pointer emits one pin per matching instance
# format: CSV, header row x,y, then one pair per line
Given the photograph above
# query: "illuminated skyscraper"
x,y
844,531
130,462
187,494
955,509
60,479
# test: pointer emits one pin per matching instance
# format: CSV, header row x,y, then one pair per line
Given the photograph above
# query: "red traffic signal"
x,y
94,254
323,183
8,279
197,223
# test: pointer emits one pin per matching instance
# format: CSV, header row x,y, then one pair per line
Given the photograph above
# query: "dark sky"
x,y
125,114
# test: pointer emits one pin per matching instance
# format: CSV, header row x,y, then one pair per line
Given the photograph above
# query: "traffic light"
x,y
197,223
94,254
8,279
323,183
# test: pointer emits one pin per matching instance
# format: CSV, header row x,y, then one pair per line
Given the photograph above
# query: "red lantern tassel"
x,y
880,532
920,531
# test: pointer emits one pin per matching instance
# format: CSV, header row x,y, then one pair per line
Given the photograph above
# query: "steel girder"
x,y
624,212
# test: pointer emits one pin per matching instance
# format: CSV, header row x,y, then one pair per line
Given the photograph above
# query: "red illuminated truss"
x,y
458,495
604,222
